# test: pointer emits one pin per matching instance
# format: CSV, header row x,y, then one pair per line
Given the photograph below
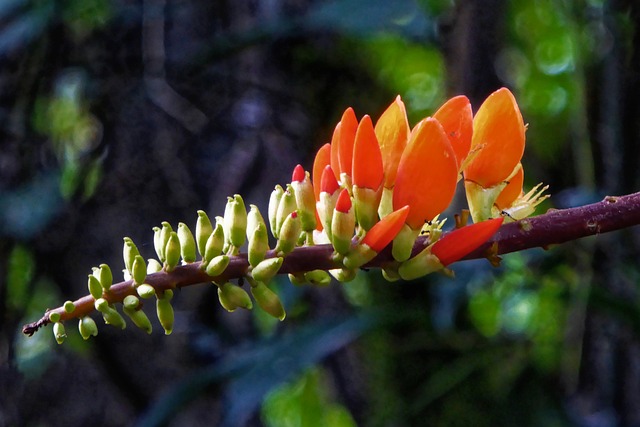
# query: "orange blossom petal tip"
x,y
456,118
458,243
322,159
367,159
392,131
385,230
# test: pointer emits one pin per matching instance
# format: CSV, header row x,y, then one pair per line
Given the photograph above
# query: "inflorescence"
x,y
371,187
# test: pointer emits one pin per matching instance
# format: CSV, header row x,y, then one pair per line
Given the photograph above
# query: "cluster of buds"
x,y
371,187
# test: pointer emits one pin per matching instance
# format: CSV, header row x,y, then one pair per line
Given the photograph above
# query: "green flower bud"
x,y
403,243
157,243
165,233
342,228
233,296
153,266
69,306
217,265
258,244
318,277
187,243
139,270
274,202
343,275
129,252
214,244
235,221
59,332
105,276
289,234
420,265
95,289
110,315
146,291
54,317
297,279
285,208
306,201
172,252
266,269
87,327
131,308
268,300
164,311
203,231
359,255
366,202
254,219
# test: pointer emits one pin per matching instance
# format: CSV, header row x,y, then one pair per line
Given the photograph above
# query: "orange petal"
x,y
367,159
458,243
348,128
427,173
323,158
385,230
344,201
392,130
456,118
512,191
335,147
328,183
498,134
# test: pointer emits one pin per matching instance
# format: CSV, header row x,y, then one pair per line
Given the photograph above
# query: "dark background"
x,y
117,115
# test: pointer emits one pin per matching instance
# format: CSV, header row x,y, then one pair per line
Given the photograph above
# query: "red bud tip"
x,y
294,214
344,202
385,230
329,184
458,243
298,174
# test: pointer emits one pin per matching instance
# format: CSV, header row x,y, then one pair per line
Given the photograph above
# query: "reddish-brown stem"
x,y
553,227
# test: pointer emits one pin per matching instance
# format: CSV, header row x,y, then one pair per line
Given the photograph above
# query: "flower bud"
x,y
131,308
235,221
54,317
297,279
59,332
254,219
266,269
172,252
274,202
318,278
146,291
329,191
233,296
268,300
203,231
153,266
289,234
129,252
110,315
305,198
420,265
286,206
258,244
165,233
217,265
403,243
214,244
139,270
94,287
343,275
164,311
157,243
187,243
105,276
87,327
343,223
69,306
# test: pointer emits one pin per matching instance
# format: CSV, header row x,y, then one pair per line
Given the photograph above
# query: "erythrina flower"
x,y
376,239
342,146
367,174
448,249
497,145
456,119
426,181
322,159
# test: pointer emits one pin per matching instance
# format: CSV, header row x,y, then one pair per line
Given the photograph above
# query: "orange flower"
x,y
342,145
427,173
456,119
458,243
322,159
498,137
386,229
392,131
367,174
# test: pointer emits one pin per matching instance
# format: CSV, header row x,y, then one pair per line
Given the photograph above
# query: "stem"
x,y
554,227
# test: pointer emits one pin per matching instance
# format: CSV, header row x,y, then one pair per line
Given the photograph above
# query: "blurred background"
x,y
116,115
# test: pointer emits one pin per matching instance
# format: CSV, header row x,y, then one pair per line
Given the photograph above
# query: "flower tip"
x,y
298,174
458,243
385,230
344,202
328,183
